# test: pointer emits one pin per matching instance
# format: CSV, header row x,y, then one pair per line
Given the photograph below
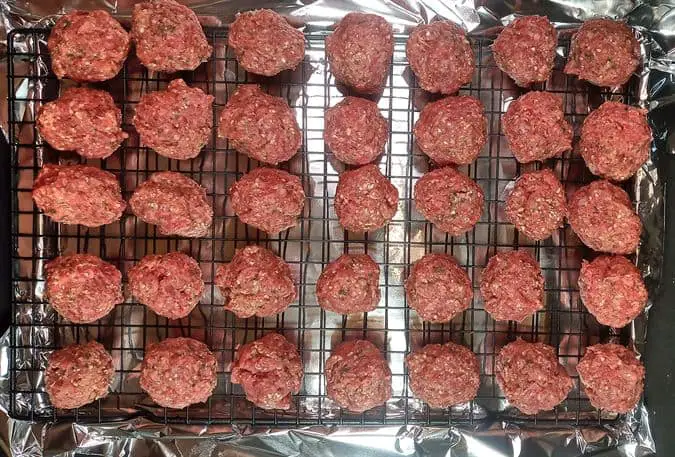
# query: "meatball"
x,y
537,205
531,376
601,215
351,284
256,283
612,289
176,122
78,374
177,372
268,199
168,36
603,52
360,51
260,125
82,287
355,131
176,204
612,377
443,375
87,46
265,43
438,288
82,120
364,199
357,376
440,56
269,370
535,127
512,286
615,140
170,284
78,194
525,49
449,200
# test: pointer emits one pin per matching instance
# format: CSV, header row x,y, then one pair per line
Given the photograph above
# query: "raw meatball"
x,y
440,56
360,51
82,287
260,125
78,194
355,131
602,216
364,199
525,49
537,205
512,286
444,375
177,372
351,284
87,46
438,288
82,120
269,370
256,283
176,204
615,140
612,289
535,127
78,374
265,43
176,122
357,376
449,200
604,53
170,284
168,36
531,376
268,199
612,376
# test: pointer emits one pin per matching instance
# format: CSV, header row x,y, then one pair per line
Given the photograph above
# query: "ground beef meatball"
x,y
612,377
357,376
535,127
355,131
177,372
602,216
438,288
537,205
615,140
87,46
260,125
269,370
360,51
449,200
268,199
82,120
78,374
168,36
256,283
265,43
351,284
176,204
531,377
176,122
604,53
525,49
612,289
82,287
440,56
364,199
443,374
78,194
